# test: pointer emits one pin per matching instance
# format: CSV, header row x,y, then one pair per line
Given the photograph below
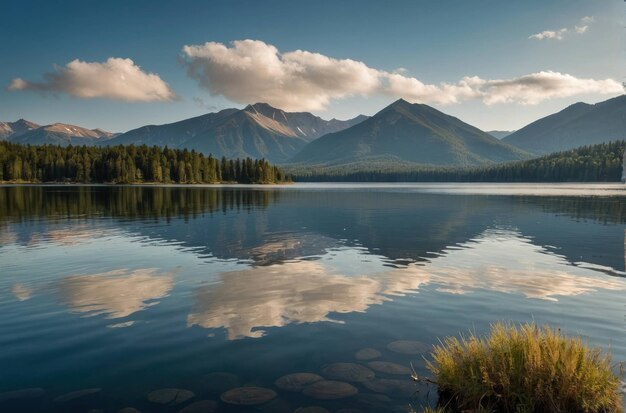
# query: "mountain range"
x,y
400,133
10,130
25,132
257,131
577,125
405,132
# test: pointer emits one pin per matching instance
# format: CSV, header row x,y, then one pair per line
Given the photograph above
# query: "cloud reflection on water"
x,y
244,302
277,295
117,293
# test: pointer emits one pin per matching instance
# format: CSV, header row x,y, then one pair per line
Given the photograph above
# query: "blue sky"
x,y
409,49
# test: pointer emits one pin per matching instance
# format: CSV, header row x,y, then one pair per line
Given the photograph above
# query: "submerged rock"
x,y
388,367
311,409
128,410
408,347
296,382
330,389
367,353
348,372
248,396
392,387
170,396
77,395
22,394
202,406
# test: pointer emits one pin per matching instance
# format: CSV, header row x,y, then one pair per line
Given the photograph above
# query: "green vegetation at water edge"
x,y
596,163
528,368
128,164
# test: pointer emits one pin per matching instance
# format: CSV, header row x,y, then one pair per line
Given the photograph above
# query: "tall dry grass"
x,y
522,369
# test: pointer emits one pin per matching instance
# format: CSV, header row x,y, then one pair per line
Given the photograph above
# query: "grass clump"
x,y
524,369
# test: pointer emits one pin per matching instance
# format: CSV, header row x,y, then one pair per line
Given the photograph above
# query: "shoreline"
x,y
14,183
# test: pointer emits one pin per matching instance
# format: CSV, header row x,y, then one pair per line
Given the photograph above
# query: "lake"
x,y
129,289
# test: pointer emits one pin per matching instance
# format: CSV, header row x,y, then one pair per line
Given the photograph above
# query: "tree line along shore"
x,y
142,164
128,165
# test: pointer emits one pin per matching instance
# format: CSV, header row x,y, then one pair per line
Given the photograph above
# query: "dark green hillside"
x,y
596,163
577,125
412,133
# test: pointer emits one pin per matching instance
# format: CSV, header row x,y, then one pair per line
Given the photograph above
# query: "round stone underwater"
x,y
348,372
408,347
388,367
367,353
330,390
296,382
248,396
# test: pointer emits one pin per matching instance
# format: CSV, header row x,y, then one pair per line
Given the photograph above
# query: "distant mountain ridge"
x,y
405,132
10,130
59,134
257,131
577,125
402,133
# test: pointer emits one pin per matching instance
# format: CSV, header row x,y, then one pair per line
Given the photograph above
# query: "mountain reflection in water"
x,y
259,282
244,302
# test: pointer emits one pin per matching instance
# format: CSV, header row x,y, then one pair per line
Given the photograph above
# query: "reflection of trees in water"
x,y
19,202
272,225
603,210
26,202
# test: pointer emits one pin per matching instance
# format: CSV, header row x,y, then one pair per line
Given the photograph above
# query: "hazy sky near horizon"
x,y
118,65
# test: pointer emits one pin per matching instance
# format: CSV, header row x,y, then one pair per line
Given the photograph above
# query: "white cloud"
x,y
115,79
549,34
536,87
585,22
250,71
580,28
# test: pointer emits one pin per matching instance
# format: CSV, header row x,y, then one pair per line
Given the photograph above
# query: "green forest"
x,y
143,164
127,165
595,163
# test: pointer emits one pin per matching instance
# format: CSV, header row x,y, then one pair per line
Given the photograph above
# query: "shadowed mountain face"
x,y
577,125
257,131
28,133
10,130
404,132
173,135
500,134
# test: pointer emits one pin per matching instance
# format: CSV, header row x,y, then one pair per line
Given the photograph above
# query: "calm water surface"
x,y
132,289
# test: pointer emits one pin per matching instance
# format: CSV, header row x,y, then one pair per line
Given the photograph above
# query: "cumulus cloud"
x,y
549,34
251,71
115,79
580,28
534,88
584,24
